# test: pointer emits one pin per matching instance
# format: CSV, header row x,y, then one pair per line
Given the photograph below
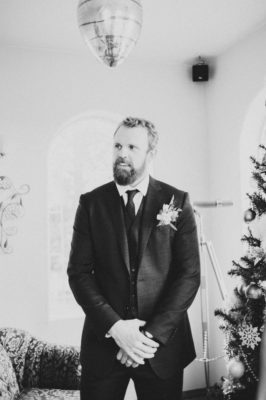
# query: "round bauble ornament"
x,y
249,215
253,291
235,368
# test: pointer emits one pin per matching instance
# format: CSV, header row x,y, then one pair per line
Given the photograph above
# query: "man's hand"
x,y
135,344
125,359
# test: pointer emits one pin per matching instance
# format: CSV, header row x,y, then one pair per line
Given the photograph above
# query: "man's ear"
x,y
153,154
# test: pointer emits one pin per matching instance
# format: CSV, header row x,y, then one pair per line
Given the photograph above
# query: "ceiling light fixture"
x,y
110,28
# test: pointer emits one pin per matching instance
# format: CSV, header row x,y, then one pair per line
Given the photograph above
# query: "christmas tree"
x,y
242,321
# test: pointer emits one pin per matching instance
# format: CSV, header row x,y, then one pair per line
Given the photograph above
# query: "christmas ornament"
x,y
262,284
249,336
263,162
249,215
235,368
258,254
110,28
233,300
241,288
253,291
248,366
229,386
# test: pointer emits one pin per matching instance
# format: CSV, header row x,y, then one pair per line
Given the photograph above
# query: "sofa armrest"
x,y
52,366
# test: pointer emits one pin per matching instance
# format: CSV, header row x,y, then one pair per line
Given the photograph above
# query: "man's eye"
x,y
118,146
131,147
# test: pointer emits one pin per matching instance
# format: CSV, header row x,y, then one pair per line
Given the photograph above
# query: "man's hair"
x,y
132,122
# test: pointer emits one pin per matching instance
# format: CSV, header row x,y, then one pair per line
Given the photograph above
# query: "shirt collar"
x,y
142,187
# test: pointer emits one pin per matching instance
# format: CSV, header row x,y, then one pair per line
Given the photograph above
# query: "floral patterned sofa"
x,y
33,369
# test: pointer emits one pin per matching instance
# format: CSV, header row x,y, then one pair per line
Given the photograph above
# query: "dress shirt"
x,y
142,188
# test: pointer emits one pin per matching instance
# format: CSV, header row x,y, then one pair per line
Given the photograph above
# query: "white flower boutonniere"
x,y
168,214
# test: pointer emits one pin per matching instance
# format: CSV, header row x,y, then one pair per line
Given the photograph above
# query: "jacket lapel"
x,y
113,204
152,205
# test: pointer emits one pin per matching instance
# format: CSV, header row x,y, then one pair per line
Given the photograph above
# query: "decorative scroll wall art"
x,y
11,208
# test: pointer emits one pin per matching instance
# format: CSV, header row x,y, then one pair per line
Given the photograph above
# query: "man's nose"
x,y
123,152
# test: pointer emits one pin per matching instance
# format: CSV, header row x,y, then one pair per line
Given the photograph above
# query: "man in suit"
x,y
134,269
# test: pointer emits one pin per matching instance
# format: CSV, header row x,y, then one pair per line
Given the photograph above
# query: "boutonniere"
x,y
168,214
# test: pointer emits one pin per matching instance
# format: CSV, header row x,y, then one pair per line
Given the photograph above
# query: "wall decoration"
x,y
11,208
110,28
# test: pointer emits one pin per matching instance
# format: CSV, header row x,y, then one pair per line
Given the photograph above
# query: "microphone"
x,y
215,203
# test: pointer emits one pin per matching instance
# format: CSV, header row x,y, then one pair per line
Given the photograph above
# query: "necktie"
x,y
130,207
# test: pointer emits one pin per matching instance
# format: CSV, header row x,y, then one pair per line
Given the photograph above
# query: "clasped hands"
x,y
135,346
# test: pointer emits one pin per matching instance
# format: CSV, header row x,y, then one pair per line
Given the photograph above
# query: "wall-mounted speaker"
x,y
200,72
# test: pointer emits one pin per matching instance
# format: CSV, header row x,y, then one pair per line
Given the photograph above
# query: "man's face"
x,y
131,155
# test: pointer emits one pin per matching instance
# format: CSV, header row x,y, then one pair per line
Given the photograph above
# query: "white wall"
x,y
39,92
200,128
238,77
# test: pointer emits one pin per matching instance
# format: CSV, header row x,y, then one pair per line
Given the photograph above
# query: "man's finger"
x,y
122,356
142,354
119,355
146,349
135,358
149,342
141,322
148,334
129,363
124,359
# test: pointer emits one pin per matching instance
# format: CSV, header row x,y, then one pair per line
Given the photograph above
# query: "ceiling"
x,y
172,29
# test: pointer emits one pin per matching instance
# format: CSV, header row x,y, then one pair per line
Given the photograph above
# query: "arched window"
x,y
79,159
253,134
263,131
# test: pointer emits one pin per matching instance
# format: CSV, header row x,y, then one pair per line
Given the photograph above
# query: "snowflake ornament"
x,y
249,335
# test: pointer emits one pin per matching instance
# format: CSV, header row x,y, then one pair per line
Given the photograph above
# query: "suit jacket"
x,y
167,281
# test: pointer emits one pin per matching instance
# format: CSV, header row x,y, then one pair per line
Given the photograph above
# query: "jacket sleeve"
x,y
181,289
81,273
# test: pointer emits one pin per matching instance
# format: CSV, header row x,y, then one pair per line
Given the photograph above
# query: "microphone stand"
x,y
207,252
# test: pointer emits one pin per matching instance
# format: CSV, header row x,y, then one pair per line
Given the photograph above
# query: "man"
x,y
134,269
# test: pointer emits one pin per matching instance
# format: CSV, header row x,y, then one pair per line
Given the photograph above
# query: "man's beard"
x,y
126,176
